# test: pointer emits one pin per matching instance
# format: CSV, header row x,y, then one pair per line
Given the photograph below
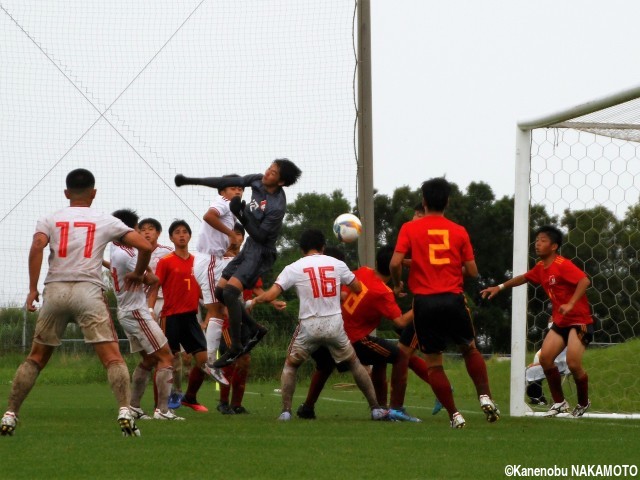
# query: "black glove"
x,y
180,180
237,206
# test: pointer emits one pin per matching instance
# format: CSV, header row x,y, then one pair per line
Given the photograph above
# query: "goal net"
x,y
580,169
138,91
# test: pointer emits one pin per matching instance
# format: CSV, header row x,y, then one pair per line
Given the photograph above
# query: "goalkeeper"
x,y
262,219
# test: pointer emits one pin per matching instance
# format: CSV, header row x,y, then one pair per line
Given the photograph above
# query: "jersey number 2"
x,y
438,247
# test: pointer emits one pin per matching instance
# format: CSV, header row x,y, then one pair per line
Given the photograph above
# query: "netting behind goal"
x,y
139,91
583,169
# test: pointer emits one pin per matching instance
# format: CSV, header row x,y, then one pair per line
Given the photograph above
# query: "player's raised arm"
x,y
216,182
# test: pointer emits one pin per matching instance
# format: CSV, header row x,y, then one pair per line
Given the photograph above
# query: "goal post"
x,y
582,167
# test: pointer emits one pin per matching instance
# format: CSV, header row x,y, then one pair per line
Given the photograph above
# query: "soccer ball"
x,y
347,228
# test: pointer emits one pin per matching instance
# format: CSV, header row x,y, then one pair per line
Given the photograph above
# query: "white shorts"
x,y
143,332
208,270
316,332
81,302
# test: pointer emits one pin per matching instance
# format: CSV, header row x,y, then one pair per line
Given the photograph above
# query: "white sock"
x,y
213,334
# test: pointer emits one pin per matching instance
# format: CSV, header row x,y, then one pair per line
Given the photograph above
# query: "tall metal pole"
x,y
366,244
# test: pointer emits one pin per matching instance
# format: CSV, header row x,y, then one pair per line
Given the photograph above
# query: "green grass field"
x,y
68,430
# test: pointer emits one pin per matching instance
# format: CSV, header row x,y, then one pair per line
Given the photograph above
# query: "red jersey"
x,y
559,280
363,311
181,290
438,249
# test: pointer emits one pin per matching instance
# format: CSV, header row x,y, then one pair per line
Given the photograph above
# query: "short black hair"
x,y
418,207
238,228
151,221
335,252
80,179
435,193
127,216
179,223
231,175
312,239
383,259
289,172
554,234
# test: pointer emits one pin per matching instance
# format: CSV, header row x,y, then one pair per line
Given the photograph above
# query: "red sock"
x,y
318,379
582,386
225,390
477,370
239,382
419,367
196,377
554,379
442,389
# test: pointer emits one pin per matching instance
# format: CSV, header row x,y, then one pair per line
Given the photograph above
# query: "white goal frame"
x,y
524,131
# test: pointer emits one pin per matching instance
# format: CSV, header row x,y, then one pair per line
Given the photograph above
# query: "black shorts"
x,y
225,338
441,319
184,329
408,337
324,360
374,351
251,263
585,332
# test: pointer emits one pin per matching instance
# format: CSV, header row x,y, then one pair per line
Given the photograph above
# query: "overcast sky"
x,y
451,79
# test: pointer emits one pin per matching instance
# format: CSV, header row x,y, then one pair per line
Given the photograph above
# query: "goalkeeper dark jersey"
x,y
266,208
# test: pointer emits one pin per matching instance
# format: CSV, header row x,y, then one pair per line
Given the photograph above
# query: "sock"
x,y
234,307
477,370
23,381
318,380
363,380
288,386
213,334
582,387
239,381
139,379
399,372
196,378
379,380
225,390
248,320
177,372
419,367
442,388
118,376
164,382
554,379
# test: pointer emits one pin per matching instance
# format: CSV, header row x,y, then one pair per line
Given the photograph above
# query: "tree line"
x,y
604,246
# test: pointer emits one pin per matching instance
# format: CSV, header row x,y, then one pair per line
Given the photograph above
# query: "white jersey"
x,y
158,252
123,261
77,239
317,279
212,241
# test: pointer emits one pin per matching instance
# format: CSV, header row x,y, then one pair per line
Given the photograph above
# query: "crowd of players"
x,y
159,289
